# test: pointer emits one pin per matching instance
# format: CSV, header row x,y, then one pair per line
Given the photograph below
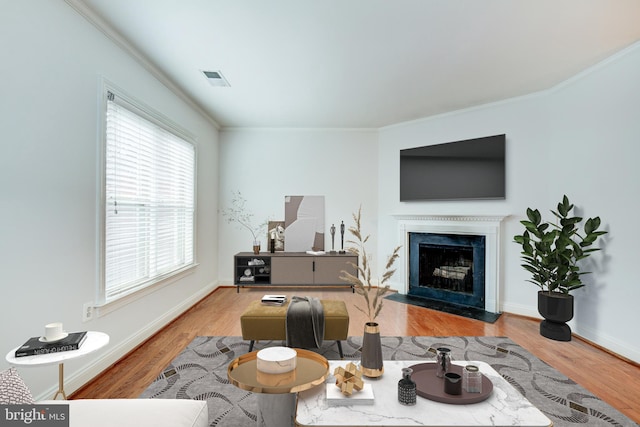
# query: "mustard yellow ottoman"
x,y
267,322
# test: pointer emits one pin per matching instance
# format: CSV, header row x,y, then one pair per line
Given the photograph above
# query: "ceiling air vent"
x,y
216,78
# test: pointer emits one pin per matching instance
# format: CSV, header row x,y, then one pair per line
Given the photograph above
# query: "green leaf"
x,y
534,216
564,207
570,221
549,238
591,225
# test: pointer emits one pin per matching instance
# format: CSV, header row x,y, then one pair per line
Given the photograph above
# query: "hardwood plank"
x,y
612,379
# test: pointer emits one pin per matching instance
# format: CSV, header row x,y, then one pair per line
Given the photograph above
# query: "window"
x,y
149,186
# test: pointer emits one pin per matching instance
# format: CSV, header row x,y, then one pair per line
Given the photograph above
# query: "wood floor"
x,y
614,380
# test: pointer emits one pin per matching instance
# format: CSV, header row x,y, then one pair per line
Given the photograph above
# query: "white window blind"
x,y
149,200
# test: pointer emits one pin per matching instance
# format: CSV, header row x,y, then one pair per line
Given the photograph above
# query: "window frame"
x,y
102,304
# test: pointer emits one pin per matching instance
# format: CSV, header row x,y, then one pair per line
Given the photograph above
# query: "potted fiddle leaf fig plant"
x,y
552,252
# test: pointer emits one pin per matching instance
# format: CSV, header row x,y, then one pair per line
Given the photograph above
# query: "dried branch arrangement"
x,y
362,283
239,214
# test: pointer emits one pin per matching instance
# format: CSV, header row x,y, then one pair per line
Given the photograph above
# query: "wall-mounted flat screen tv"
x,y
460,170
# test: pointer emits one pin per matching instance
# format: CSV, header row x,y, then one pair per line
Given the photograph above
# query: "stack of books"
x,y
38,345
274,299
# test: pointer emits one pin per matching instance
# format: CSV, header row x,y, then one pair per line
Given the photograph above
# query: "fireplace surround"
x,y
487,226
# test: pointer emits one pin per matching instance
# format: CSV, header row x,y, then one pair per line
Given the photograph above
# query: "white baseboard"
x,y
115,353
618,347
522,310
611,344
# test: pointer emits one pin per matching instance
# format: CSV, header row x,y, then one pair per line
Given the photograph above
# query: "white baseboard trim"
x,y
522,310
105,359
611,344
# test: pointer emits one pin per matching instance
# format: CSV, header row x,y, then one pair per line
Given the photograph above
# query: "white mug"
x,y
53,331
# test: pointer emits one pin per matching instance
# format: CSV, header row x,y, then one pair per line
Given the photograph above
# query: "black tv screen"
x,y
468,169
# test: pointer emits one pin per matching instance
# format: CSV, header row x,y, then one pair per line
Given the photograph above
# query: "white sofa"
x,y
135,412
111,412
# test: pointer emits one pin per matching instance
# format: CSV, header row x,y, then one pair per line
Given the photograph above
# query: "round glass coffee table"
x,y
277,393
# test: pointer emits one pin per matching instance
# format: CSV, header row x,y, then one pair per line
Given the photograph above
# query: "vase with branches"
x,y
363,284
239,214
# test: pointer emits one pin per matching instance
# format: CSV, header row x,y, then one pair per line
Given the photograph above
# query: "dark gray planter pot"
x,y
557,309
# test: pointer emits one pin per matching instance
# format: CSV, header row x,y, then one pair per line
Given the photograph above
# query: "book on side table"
x,y
37,345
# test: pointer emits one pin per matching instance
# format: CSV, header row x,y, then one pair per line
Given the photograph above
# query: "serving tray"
x,y
431,387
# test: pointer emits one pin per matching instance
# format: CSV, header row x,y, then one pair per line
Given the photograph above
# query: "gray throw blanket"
x,y
305,322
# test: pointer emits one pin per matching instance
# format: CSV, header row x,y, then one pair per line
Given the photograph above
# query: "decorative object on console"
x,y
304,223
551,253
362,284
332,230
238,213
276,233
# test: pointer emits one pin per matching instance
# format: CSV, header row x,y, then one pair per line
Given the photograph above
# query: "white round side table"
x,y
94,341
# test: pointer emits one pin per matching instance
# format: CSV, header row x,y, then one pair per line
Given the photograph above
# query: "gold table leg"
x,y
60,383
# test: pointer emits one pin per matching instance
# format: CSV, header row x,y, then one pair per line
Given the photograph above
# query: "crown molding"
x,y
108,30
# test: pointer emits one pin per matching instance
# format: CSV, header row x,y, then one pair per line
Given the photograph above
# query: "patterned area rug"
x,y
200,372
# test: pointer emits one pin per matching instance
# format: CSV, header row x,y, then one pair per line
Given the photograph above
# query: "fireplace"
x,y
447,267
470,247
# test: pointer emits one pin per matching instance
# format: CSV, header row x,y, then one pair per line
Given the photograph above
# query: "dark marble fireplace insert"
x,y
447,267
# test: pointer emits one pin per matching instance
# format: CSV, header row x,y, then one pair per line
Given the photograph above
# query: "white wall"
x,y
266,165
580,139
50,72
52,61
594,158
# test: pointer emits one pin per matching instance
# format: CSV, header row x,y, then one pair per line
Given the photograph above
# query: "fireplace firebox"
x,y
448,267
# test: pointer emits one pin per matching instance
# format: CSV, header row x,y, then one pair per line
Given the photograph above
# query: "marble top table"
x,y
504,407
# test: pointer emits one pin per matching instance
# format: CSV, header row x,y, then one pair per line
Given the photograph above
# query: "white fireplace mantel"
x,y
477,225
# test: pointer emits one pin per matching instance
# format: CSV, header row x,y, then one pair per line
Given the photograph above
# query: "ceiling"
x,y
363,63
